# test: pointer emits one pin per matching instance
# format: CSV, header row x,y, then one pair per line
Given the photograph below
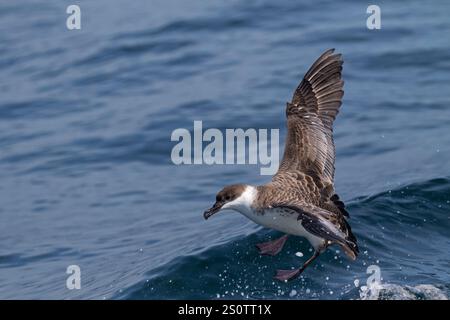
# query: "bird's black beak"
x,y
214,209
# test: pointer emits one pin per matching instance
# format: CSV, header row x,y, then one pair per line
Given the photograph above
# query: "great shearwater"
x,y
300,199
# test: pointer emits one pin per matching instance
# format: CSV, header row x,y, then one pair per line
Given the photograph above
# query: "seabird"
x,y
300,199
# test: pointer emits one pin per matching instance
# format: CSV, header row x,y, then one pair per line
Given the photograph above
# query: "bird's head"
x,y
234,197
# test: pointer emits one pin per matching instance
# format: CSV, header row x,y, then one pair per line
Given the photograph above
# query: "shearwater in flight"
x,y
300,199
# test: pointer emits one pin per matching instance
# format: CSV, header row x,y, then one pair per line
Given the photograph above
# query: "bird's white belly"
x,y
284,221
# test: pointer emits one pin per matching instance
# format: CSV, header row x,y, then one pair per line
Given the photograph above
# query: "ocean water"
x,y
87,179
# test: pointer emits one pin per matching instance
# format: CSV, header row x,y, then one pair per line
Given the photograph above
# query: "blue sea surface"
x,y
86,118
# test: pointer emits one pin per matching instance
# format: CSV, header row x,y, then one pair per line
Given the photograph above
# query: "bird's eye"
x,y
227,198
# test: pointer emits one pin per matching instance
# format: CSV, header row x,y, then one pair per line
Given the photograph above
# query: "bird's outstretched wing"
x,y
324,224
309,144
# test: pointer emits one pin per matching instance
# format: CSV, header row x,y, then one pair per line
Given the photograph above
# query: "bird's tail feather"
x,y
350,248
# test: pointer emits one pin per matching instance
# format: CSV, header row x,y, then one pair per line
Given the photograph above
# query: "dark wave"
x,y
387,225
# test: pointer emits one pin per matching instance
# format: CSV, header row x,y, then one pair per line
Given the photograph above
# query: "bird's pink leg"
x,y
273,247
286,275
